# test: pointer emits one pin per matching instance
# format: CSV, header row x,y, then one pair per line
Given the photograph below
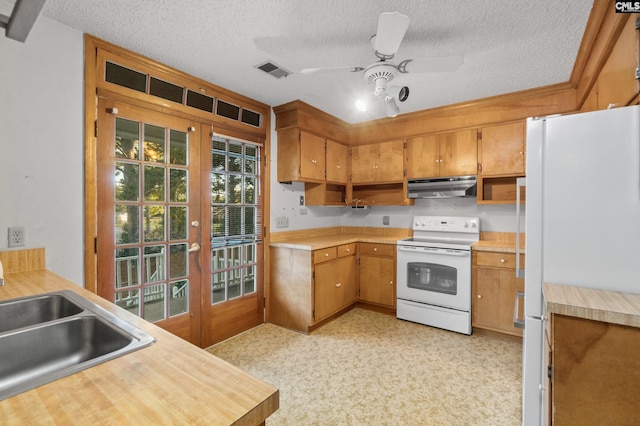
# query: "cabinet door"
x,y
347,278
502,149
459,153
494,299
390,162
364,158
325,289
423,157
377,280
337,162
312,156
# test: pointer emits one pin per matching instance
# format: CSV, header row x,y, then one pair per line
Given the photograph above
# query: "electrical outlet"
x,y
385,220
16,236
282,222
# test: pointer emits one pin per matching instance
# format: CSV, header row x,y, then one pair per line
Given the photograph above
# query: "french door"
x,y
179,241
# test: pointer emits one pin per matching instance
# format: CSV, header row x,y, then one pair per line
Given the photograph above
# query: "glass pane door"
x,y
235,299
148,195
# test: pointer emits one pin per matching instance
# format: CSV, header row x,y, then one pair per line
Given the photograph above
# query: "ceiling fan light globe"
x,y
401,93
391,106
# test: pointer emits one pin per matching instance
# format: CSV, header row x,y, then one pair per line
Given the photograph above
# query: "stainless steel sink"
x,y
18,313
53,335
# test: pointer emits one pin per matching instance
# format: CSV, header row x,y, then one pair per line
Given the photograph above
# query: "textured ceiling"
x,y
508,45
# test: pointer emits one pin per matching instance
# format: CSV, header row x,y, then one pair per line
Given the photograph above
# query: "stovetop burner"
x,y
444,232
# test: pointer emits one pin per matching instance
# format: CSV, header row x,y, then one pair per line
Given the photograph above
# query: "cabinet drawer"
x,y
498,260
346,250
324,255
377,249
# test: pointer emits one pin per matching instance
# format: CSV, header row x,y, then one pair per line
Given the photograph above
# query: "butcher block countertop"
x,y
504,242
320,238
171,382
594,304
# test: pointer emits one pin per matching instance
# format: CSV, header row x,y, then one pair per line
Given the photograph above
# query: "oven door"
x,y
435,276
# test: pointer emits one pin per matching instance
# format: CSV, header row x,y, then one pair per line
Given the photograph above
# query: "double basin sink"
x,y
49,336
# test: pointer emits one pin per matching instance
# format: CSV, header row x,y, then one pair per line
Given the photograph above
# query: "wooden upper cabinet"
x,y
502,150
301,156
377,163
617,82
423,157
448,154
337,162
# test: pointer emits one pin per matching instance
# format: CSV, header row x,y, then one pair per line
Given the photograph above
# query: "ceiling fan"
x,y
392,27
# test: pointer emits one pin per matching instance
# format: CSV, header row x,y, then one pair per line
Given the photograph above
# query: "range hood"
x,y
442,187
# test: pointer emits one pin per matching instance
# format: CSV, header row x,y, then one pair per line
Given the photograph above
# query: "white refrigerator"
x,y
582,220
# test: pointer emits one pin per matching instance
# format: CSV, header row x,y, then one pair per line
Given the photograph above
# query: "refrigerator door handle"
x,y
517,322
520,183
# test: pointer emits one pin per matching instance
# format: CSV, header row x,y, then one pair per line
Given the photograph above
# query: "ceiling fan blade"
x,y
391,29
435,64
307,71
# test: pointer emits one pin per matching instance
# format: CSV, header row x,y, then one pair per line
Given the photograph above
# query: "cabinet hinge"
x,y
479,135
479,167
357,261
95,128
313,275
550,372
95,245
264,302
404,145
313,314
404,173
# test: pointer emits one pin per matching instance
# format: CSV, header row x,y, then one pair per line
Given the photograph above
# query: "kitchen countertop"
x,y
170,382
332,240
497,246
594,304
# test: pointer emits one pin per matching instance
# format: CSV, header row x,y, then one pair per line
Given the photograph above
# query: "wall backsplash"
x,y
285,202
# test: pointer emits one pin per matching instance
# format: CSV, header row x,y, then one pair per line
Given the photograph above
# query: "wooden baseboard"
x,y
377,308
496,335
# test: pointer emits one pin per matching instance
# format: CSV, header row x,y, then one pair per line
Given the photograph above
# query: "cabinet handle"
x,y
314,161
501,260
479,296
390,282
521,152
375,249
338,166
326,255
339,285
348,250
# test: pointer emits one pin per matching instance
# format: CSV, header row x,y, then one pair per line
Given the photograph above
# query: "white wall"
x,y
41,142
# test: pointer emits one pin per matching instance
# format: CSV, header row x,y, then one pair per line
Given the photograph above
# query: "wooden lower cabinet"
x,y
494,291
307,287
334,285
377,274
595,372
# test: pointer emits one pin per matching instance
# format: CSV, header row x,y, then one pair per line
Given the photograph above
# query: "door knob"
x,y
194,247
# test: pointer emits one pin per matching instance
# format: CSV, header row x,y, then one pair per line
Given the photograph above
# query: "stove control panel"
x,y
469,225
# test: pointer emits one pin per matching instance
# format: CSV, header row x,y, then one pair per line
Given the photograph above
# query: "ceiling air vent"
x,y
273,69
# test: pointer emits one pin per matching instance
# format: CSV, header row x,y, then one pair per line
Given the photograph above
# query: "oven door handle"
x,y
444,252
